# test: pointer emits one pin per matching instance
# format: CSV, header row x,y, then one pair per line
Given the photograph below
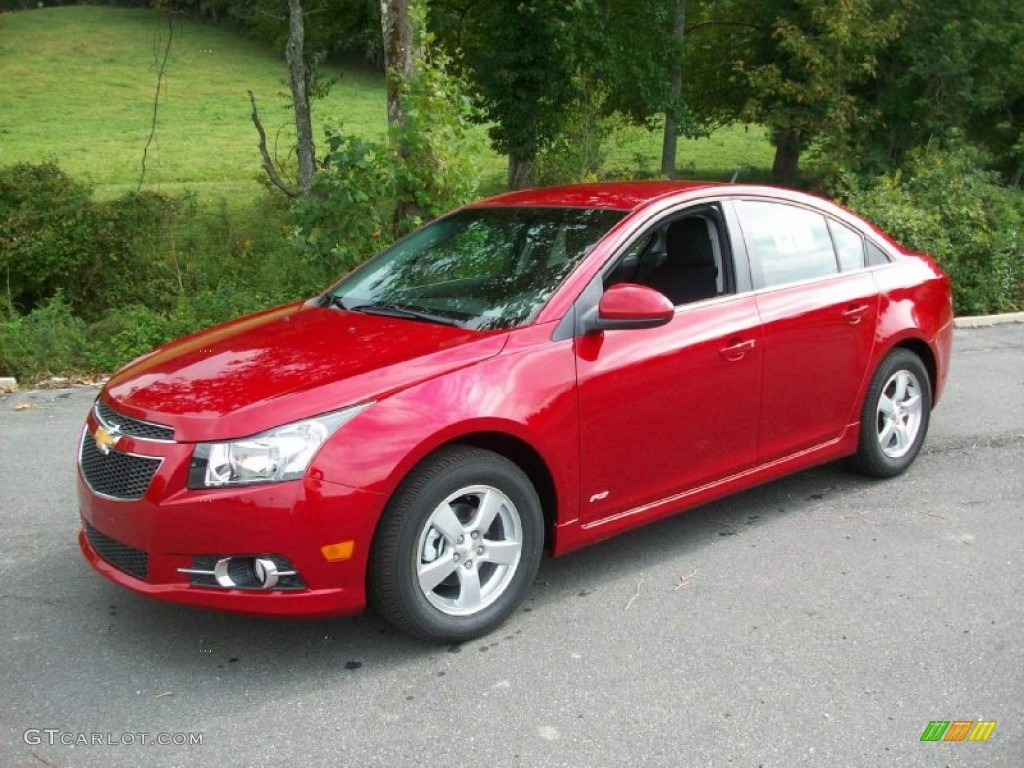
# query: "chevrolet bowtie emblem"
x,y
106,438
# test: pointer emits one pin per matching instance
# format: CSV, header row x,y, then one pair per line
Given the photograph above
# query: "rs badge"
x,y
106,439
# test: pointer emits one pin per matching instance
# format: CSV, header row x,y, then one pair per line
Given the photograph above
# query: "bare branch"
x,y
268,165
161,69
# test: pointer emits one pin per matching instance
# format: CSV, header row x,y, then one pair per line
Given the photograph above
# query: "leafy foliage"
x,y
50,340
944,203
47,232
523,58
957,69
354,211
433,170
580,152
54,238
794,67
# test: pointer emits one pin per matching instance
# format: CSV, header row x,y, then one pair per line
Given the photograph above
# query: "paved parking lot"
x,y
821,620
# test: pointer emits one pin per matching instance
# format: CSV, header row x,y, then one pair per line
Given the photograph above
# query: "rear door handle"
x,y
737,350
855,314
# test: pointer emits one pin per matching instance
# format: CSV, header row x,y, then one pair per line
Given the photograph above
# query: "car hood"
x,y
286,364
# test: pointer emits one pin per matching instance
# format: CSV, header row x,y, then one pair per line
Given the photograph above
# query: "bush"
x,y
55,239
370,193
89,285
945,203
47,234
47,342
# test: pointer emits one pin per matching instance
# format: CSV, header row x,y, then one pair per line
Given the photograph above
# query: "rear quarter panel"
x,y
916,305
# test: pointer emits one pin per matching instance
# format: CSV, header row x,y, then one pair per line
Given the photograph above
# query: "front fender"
x,y
527,392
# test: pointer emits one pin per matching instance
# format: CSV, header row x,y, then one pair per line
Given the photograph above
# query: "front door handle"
x,y
855,314
737,350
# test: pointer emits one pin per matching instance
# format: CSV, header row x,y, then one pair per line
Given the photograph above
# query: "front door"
x,y
667,409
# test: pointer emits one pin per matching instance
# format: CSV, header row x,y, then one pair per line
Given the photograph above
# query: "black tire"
x,y
891,437
453,490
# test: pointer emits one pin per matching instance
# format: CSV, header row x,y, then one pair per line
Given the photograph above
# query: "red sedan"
x,y
534,372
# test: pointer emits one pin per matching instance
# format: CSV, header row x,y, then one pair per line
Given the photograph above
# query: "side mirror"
x,y
627,305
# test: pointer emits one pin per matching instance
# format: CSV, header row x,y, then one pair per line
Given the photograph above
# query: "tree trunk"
x,y
669,142
305,148
786,168
398,67
671,138
398,55
520,172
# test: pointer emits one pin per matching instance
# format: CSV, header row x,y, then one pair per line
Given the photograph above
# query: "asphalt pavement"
x,y
821,620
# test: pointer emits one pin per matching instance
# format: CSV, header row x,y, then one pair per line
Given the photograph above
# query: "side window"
x,y
849,246
876,256
791,243
683,257
627,266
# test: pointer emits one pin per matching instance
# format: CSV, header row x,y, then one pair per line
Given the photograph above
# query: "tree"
x,y
957,71
671,133
300,75
399,68
523,59
641,57
305,148
399,55
794,66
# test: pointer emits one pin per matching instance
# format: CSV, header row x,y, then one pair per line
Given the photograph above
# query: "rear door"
x,y
819,309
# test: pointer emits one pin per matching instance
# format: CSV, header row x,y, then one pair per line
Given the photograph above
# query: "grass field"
x,y
77,86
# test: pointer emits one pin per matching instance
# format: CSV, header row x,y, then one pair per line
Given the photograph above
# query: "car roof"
x,y
615,195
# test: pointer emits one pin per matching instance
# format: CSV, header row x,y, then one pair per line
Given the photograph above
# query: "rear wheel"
x,y
458,546
894,418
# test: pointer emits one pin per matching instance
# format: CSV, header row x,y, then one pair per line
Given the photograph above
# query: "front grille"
x,y
126,425
132,561
118,475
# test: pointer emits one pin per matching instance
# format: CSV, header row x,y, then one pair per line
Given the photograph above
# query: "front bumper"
x,y
141,544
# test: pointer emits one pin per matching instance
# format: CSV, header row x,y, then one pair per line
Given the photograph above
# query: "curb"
x,y
986,321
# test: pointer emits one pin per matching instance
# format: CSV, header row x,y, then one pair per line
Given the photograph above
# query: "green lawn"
x,y
77,86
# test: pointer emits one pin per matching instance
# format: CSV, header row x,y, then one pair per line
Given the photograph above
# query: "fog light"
x,y
265,572
243,572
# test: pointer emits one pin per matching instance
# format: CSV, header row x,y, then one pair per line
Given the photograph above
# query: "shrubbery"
x,y
87,285
354,211
945,203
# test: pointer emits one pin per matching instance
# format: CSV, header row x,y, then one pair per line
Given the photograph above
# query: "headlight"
x,y
282,453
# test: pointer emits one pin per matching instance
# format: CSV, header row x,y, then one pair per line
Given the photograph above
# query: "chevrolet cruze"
x,y
528,374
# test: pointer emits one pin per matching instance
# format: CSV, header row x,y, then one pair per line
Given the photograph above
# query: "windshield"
x,y
479,268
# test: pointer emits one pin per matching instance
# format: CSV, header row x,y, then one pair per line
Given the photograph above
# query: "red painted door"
x,y
819,323
670,408
818,339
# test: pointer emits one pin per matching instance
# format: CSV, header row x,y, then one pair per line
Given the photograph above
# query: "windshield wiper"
x,y
393,310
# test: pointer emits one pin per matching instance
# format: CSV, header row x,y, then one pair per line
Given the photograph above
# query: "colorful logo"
x,y
958,730
106,438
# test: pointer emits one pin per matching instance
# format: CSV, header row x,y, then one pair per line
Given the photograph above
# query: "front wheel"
x,y
894,419
458,546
